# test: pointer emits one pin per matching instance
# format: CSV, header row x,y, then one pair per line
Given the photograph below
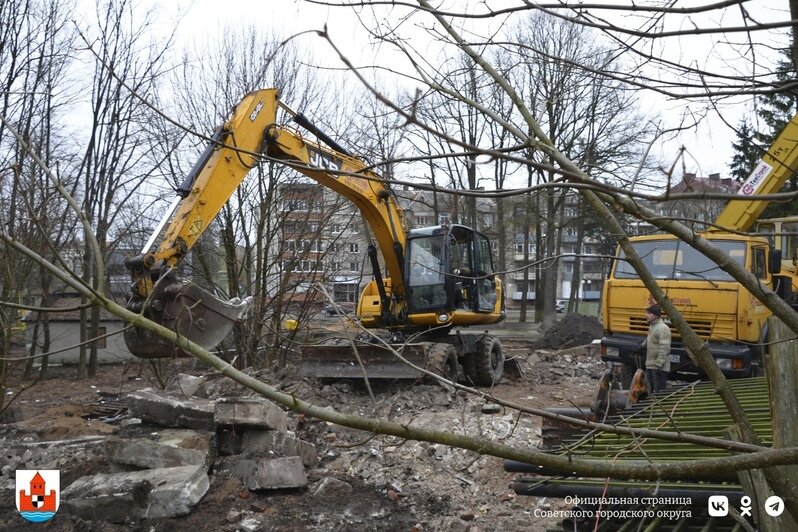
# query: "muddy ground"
x,y
361,481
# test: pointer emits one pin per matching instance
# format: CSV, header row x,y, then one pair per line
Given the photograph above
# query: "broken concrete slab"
x,y
271,473
250,412
186,384
166,448
146,494
278,443
171,410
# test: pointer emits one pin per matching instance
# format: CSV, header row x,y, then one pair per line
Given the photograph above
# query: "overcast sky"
x,y
708,146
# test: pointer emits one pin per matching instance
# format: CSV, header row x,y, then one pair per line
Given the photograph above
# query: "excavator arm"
x,y
234,150
349,177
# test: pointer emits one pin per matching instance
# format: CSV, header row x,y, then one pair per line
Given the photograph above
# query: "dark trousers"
x,y
657,379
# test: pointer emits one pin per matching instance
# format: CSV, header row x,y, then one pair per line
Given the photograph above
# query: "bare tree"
x,y
34,47
113,166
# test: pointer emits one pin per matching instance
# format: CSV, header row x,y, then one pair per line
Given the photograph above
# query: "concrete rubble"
x,y
270,473
262,472
170,409
165,462
47,455
145,494
167,448
249,412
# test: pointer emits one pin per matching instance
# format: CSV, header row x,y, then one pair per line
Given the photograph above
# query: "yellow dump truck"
x,y
718,308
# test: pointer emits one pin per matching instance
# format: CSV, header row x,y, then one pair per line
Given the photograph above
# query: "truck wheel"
x,y
626,375
486,366
442,360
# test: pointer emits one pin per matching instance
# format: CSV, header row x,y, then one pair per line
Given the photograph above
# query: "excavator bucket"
x,y
379,362
190,311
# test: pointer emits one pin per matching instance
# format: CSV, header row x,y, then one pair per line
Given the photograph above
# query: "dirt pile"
x,y
571,331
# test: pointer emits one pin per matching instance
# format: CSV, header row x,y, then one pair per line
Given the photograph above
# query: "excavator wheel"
x,y
442,360
486,366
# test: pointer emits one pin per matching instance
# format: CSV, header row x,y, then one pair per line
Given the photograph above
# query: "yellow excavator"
x,y
437,279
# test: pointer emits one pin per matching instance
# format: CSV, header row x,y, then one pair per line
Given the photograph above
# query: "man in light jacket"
x,y
658,349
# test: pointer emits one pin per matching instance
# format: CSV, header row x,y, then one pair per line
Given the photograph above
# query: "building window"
x,y
290,245
422,221
296,205
345,292
336,228
336,247
309,266
353,266
354,247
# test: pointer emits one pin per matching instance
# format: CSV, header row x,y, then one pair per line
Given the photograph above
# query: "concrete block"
x,y
185,384
250,412
278,443
171,410
331,486
146,494
270,474
167,448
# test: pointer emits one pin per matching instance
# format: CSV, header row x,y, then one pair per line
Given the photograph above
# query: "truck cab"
x,y
718,308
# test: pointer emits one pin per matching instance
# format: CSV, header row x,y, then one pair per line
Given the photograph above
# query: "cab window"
x,y
759,265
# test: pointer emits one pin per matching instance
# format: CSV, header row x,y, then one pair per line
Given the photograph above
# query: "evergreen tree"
x,y
778,108
775,112
746,152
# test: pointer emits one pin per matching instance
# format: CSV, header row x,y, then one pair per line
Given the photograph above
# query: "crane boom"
x,y
776,166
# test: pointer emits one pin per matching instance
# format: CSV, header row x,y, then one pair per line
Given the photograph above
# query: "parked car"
x,y
559,306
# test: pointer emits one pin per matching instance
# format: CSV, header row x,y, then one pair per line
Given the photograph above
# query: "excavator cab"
x,y
450,268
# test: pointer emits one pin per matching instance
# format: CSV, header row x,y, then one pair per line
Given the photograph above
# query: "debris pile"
x,y
571,331
208,455
173,463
